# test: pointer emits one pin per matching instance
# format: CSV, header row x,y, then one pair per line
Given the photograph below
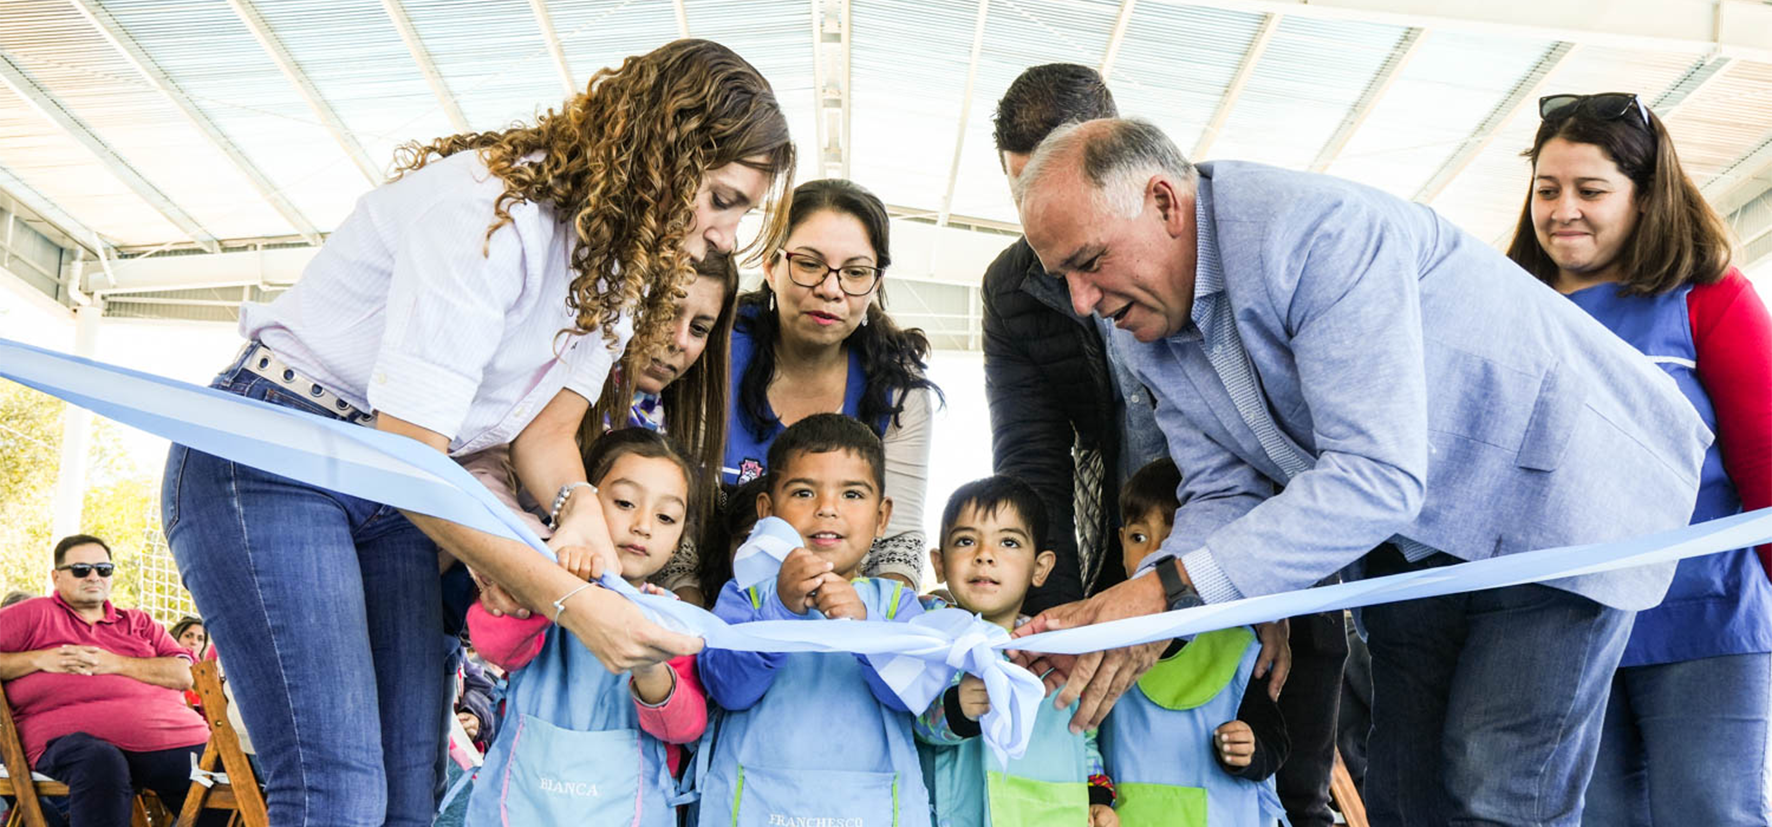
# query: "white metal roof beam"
x,y
1116,37
682,19
1705,71
52,109
947,198
421,56
1735,28
1743,181
1522,97
1753,225
73,233
1245,70
546,22
145,66
292,71
1405,50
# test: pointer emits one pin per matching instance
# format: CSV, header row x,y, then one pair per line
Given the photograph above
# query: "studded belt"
x,y
261,361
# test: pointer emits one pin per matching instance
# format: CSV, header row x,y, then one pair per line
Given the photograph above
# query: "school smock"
x,y
1718,604
1158,740
1051,785
808,738
576,746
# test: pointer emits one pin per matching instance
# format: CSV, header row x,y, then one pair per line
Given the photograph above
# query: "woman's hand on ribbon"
x,y
618,633
1097,679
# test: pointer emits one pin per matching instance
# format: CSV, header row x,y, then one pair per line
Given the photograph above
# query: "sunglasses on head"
x,y
81,570
1606,106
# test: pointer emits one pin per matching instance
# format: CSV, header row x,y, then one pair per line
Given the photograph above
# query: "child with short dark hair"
x,y
727,532
814,737
1223,737
989,558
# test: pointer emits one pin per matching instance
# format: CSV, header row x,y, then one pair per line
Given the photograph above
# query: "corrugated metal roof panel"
x,y
1450,87
1019,35
1726,120
908,74
1312,72
1176,62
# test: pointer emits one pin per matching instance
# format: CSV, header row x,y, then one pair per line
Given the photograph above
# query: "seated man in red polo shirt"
x,y
97,691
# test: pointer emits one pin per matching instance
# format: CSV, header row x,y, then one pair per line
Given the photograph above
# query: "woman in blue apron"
x,y
1614,223
814,337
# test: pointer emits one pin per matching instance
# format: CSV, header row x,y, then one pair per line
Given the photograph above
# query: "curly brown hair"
x,y
626,159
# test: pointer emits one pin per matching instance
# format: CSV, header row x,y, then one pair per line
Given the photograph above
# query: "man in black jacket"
x,y
1070,419
1056,411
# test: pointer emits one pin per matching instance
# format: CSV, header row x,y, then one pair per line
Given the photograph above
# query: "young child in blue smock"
x,y
580,745
810,738
989,557
1196,742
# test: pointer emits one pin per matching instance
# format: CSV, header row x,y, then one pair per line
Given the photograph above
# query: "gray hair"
x,y
1119,157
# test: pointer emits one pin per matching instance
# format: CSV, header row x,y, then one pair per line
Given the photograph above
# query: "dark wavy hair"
x,y
989,496
1045,97
893,360
1679,238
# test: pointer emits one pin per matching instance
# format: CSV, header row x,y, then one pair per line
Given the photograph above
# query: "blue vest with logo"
x,y
1718,604
747,456
1157,742
817,750
571,750
1047,787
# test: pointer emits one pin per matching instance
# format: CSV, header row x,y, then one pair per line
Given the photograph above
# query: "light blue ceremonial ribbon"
x,y
403,473
959,641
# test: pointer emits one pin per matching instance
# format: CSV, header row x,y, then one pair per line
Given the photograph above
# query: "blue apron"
x,y
1157,742
571,750
1717,604
1047,787
818,750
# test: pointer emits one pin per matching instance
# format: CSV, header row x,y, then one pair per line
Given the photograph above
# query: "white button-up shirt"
x,y
402,312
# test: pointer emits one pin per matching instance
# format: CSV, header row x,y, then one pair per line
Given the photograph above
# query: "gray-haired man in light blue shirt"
x,y
1348,381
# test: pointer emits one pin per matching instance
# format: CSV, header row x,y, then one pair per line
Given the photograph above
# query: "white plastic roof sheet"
x,y
909,61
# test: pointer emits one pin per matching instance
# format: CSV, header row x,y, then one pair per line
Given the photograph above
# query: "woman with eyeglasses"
x,y
1614,223
480,299
814,338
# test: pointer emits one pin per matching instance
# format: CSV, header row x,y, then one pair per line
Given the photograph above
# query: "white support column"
x,y
947,198
830,76
545,22
70,480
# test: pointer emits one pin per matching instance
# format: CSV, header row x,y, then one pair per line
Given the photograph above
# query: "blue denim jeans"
x,y
1684,744
326,612
1486,706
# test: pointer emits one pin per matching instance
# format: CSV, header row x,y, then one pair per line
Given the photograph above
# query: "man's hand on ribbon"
x,y
1276,653
1097,679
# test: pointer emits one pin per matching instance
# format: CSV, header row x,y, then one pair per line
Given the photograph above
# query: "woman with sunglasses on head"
x,y
814,338
1614,223
479,299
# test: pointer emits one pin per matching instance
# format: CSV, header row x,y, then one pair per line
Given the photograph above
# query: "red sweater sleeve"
x,y
507,641
682,717
1732,334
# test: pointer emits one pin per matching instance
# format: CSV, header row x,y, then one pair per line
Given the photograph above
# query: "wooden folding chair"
x,y
235,787
27,810
1347,797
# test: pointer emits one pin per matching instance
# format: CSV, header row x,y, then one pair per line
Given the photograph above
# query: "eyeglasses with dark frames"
x,y
809,270
1605,106
81,570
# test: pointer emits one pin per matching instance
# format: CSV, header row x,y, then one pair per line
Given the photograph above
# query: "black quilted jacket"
x,y
1055,423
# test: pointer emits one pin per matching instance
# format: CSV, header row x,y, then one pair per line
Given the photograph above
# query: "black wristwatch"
x,y
1177,594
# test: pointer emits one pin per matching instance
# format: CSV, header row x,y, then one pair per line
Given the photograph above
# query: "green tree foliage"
x,y
121,504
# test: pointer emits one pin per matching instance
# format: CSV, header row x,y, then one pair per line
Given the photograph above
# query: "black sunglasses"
x,y
1606,106
81,570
